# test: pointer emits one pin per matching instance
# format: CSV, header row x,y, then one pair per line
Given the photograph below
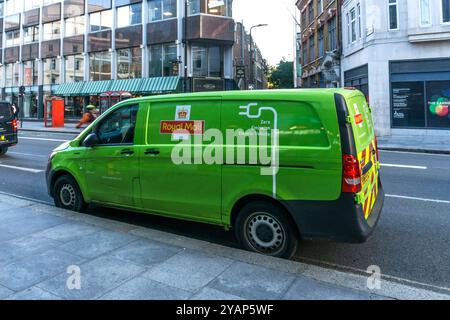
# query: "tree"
x,y
282,76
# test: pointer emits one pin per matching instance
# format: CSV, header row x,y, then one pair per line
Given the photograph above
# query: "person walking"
x,y
88,117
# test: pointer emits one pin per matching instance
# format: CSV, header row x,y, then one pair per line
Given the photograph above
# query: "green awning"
x,y
128,85
69,89
93,88
159,85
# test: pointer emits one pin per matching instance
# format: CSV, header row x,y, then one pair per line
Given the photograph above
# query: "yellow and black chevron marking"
x,y
370,179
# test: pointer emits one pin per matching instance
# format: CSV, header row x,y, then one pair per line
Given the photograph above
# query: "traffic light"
x,y
21,91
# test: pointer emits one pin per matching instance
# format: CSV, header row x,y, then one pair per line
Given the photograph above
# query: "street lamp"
x,y
251,49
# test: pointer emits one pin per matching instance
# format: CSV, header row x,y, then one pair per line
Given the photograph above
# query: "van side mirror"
x,y
90,141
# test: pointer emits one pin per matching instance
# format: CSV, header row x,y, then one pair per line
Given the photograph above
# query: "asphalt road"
x,y
411,243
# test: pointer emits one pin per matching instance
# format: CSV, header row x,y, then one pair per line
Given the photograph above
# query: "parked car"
x,y
8,127
319,178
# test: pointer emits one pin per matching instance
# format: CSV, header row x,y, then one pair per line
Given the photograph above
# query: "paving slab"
x,y
33,293
4,292
68,231
189,270
24,226
141,288
213,294
97,277
253,282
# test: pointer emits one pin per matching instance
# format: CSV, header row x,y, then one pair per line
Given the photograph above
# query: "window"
x,y
101,20
31,4
31,34
162,58
12,38
13,6
11,75
207,61
393,15
425,13
319,6
312,51
304,20
219,8
47,2
311,12
74,66
51,71
194,7
353,25
129,63
30,73
305,53
320,42
100,66
162,9
358,13
51,30
332,43
74,26
348,29
129,15
445,11
118,127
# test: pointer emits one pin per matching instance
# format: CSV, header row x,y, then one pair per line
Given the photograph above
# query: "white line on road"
x,y
21,168
403,166
418,199
417,153
27,154
43,139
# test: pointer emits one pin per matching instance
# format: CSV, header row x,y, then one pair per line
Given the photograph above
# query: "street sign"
x,y
240,72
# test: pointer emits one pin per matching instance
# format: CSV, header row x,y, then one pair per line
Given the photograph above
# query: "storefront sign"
x,y
202,85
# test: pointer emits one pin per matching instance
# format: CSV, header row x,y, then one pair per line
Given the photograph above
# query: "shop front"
x,y
420,94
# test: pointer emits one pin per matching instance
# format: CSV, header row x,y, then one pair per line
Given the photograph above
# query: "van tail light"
x,y
351,174
14,124
376,148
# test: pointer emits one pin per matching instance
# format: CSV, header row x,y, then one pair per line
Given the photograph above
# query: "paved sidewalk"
x,y
38,243
416,143
38,126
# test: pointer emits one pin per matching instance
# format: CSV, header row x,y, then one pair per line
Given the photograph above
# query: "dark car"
x,y
8,127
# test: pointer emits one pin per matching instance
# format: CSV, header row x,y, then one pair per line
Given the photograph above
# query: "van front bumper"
x,y
341,220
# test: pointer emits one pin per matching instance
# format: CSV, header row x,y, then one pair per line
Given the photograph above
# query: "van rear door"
x,y
8,125
365,141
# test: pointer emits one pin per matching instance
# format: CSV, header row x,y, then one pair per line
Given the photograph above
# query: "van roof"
x,y
294,94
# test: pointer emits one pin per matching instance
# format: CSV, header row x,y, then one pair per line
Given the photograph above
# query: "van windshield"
x,y
5,111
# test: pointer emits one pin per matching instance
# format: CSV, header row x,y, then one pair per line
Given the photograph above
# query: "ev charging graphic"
x,y
273,170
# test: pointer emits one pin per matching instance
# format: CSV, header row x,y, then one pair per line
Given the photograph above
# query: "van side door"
x,y
190,190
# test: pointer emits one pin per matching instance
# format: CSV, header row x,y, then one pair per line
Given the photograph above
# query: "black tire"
x,y
266,228
67,194
3,151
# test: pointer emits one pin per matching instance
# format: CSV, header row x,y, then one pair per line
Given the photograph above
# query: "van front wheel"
x,y
3,150
67,194
266,228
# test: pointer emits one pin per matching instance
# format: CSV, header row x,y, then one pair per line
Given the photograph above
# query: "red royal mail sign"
x,y
193,126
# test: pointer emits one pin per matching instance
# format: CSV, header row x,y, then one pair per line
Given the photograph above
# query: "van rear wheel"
x,y
266,228
67,194
3,150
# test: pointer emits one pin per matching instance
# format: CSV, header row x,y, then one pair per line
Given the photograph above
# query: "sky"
x,y
277,39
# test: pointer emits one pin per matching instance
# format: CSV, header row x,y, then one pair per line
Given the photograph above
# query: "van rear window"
x,y
5,111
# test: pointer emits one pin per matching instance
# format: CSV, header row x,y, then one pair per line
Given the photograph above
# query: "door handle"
x,y
152,151
127,152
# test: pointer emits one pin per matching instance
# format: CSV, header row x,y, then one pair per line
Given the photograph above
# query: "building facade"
x,y
244,76
81,49
319,43
397,53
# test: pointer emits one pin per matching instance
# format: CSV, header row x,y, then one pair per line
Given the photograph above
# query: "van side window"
x,y
118,127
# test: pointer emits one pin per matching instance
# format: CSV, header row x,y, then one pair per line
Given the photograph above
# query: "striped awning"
x,y
128,85
159,85
69,89
93,88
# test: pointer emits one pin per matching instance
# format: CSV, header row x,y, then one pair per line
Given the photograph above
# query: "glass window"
x,y
407,104
31,4
425,13
320,6
74,66
129,15
217,7
129,63
446,11
51,71
311,12
312,51
162,58
438,104
162,9
13,6
12,38
353,24
207,61
31,34
101,20
30,73
118,127
51,30
332,43
194,7
320,42
393,15
100,66
358,13
11,75
74,26
47,2
2,9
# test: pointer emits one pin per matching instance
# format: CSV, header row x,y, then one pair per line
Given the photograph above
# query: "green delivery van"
x,y
275,166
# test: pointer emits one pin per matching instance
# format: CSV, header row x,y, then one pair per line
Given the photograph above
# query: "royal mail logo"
x,y
195,127
183,114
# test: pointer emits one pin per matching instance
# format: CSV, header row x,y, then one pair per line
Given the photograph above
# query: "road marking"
x,y
417,153
27,154
25,198
417,199
21,168
364,272
43,139
403,166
